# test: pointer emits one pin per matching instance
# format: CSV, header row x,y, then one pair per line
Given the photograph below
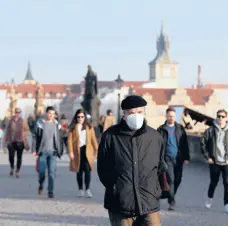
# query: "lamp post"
x,y
119,83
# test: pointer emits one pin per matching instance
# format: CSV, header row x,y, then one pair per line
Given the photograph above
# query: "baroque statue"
x,y
91,102
39,106
13,101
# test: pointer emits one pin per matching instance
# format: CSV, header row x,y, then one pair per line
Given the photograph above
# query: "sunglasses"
x,y
18,112
221,116
80,117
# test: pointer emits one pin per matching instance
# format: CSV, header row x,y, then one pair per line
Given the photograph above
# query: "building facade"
x,y
161,90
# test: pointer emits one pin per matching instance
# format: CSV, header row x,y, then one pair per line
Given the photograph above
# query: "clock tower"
x,y
163,71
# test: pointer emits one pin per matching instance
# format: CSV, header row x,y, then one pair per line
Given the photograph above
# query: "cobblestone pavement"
x,y
20,204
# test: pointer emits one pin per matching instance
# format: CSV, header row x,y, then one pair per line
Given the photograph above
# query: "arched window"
x,y
30,95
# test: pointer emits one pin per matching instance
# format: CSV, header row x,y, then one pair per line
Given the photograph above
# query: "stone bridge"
x,y
21,205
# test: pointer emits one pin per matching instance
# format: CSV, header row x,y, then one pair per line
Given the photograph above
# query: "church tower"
x,y
163,71
28,77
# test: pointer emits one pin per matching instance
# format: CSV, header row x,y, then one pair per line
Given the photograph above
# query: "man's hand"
x,y
34,153
186,162
210,161
71,156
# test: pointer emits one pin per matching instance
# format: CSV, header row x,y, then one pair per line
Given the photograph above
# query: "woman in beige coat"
x,y
82,149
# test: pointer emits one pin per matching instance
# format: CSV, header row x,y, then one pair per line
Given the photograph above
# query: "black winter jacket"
x,y
208,143
182,141
128,166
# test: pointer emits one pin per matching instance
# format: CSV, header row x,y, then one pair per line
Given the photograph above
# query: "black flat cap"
x,y
133,102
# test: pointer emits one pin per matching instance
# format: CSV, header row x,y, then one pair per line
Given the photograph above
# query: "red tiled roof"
x,y
109,84
160,96
163,96
216,86
4,87
199,96
101,84
24,89
134,83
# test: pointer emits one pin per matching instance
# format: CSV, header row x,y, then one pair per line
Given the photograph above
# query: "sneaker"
x,y
88,194
226,208
208,203
41,191
17,174
172,205
51,195
81,193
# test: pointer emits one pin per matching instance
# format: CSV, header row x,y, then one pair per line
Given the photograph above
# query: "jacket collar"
x,y
124,129
164,125
41,122
14,119
215,124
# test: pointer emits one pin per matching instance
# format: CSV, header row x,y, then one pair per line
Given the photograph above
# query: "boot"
x,y
11,172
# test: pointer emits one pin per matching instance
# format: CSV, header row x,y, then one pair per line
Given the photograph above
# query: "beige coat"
x,y
109,121
74,146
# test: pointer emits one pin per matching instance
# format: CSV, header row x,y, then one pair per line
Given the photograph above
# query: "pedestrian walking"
x,y
214,147
1,138
101,127
177,152
48,147
32,126
64,129
130,157
82,149
16,134
110,120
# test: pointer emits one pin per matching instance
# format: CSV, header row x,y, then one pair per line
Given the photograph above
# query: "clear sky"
x,y
61,37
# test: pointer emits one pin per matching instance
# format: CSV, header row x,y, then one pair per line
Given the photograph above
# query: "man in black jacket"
x,y
130,158
214,145
48,145
177,152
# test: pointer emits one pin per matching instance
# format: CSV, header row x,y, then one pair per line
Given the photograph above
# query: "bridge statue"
x,y
91,102
13,101
39,105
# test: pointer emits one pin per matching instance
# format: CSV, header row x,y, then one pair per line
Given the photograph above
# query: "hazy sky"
x,y
61,37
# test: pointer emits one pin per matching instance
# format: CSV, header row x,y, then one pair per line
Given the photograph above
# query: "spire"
x,y
162,28
28,76
162,47
199,78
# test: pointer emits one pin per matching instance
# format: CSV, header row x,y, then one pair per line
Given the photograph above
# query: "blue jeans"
x,y
47,160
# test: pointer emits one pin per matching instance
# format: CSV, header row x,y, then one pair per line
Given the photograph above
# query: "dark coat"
x,y
128,166
182,141
208,143
32,125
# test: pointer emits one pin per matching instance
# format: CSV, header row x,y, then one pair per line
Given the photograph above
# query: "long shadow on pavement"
x,y
26,187
46,218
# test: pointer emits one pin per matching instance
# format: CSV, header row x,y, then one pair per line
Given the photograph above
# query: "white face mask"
x,y
135,121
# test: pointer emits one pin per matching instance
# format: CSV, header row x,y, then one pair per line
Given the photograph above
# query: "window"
x,y
58,95
179,111
47,95
29,95
166,72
